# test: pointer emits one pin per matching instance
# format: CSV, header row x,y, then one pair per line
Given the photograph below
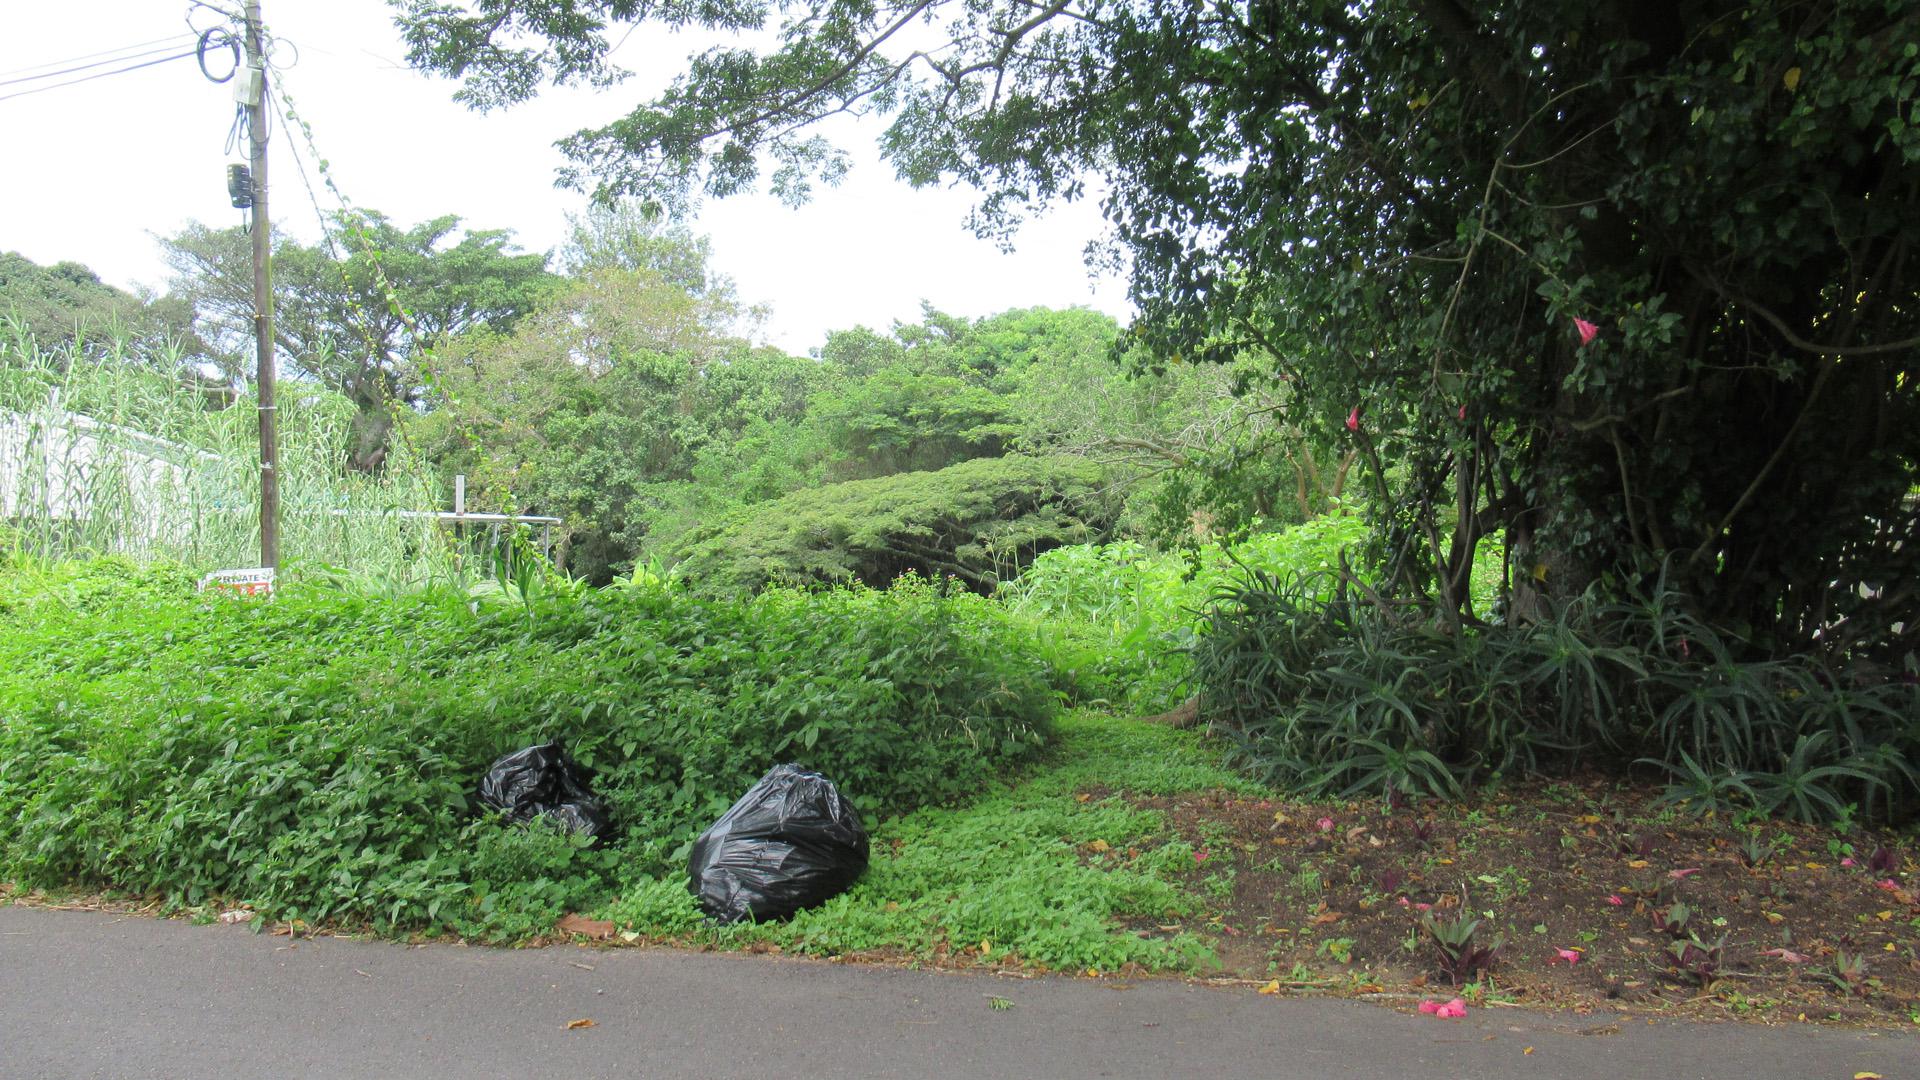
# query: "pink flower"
x,y
1616,900
1419,906
1326,824
1686,650
1682,875
1353,419
1587,330
1445,1010
1463,412
1571,956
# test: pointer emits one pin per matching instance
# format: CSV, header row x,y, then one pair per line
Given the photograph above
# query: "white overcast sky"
x,y
90,172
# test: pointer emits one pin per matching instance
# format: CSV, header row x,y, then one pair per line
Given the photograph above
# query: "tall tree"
x,y
359,317
596,406
68,303
1630,281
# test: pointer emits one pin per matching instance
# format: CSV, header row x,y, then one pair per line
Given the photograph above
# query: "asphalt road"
x,y
92,995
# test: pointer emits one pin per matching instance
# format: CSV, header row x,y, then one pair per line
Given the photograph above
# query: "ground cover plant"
x,y
314,756
1125,618
1335,692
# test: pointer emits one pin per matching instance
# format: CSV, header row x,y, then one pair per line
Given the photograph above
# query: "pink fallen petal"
x,y
1681,875
1429,1007
1202,855
1616,900
1587,330
1455,1008
1404,902
1571,956
1353,419
1422,907
1848,861
1326,824
1788,955
1890,885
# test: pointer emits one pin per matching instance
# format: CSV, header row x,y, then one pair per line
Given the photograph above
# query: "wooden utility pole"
x,y
256,106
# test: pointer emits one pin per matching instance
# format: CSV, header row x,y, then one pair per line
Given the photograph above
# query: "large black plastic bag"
x,y
542,781
790,842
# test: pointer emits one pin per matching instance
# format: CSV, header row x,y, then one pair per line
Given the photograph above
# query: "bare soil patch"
x,y
1603,898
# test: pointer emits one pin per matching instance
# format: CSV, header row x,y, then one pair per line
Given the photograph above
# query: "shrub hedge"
x,y
315,755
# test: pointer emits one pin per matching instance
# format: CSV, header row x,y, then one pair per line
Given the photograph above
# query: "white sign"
x,y
254,581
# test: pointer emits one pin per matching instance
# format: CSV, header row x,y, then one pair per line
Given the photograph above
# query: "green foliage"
x,y
110,453
980,521
1459,952
360,318
315,756
66,303
1402,210
1333,693
1122,619
1018,869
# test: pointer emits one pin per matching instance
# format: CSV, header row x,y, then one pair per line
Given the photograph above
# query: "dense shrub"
x,y
1333,693
1122,619
980,521
315,755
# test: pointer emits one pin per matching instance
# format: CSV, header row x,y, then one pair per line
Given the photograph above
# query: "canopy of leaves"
x,y
1404,207
67,302
981,521
358,318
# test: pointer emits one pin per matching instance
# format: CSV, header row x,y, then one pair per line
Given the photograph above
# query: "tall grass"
x,y
105,451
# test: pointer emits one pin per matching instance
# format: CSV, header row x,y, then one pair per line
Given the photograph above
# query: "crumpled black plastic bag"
x,y
790,842
542,781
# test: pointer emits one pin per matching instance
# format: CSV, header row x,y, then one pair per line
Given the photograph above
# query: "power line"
x,y
171,44
101,75
95,55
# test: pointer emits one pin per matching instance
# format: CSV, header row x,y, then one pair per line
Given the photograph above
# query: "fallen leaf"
x,y
1083,796
1100,846
237,915
580,924
575,1025
1328,917
1883,916
1272,987
1356,833
1788,955
1528,1050
1773,917
1682,875
1280,817
1868,1076
629,936
1588,819
1639,864
1816,866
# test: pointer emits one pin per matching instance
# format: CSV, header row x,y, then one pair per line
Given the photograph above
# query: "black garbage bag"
x,y
790,842
542,781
